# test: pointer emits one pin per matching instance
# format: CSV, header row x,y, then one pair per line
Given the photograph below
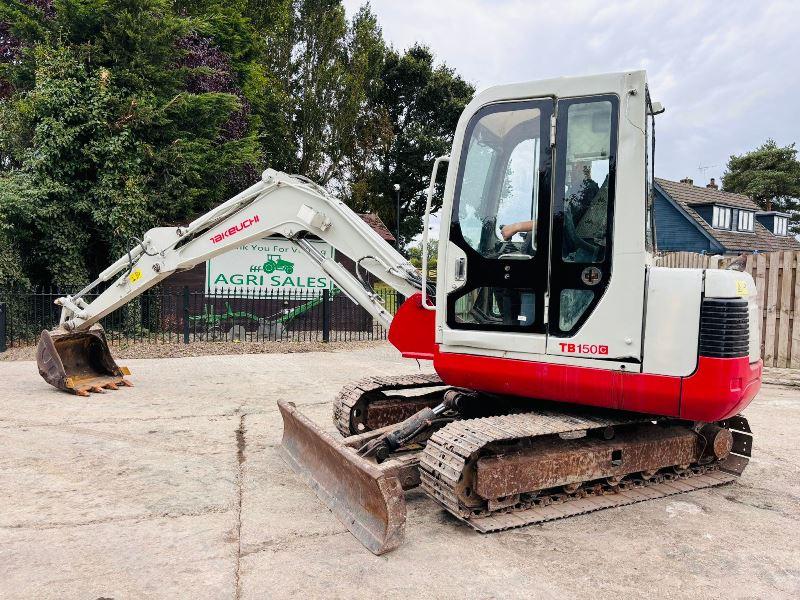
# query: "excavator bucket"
x,y
79,362
366,497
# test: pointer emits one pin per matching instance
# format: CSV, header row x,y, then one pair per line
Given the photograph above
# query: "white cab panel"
x,y
672,321
616,323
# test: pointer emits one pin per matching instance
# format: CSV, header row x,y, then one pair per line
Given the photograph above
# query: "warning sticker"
x,y
741,288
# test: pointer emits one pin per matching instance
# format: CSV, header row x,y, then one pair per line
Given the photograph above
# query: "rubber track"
x,y
350,394
450,449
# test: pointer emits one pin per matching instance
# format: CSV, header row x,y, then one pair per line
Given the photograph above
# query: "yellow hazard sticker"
x,y
135,276
741,288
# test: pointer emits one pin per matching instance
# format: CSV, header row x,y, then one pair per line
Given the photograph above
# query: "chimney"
x,y
712,185
687,181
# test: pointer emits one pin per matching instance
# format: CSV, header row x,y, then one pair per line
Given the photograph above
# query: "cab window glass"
x,y
518,197
498,189
572,306
509,307
586,182
480,157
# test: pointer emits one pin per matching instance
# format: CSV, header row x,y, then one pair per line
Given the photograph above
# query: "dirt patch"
x,y
174,350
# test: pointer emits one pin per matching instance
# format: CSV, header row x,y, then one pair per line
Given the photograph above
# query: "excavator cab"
x,y
529,235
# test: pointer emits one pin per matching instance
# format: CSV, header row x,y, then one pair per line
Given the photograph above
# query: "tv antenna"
x,y
704,168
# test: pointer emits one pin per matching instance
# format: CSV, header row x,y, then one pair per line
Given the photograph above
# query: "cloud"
x,y
727,72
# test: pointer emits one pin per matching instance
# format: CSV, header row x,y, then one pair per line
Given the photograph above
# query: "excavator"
x,y
570,372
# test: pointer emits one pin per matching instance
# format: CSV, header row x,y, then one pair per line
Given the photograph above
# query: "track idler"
x,y
79,361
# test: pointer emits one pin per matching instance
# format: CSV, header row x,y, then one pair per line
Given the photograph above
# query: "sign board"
x,y
269,266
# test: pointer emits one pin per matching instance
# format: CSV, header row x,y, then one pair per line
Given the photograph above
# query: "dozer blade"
x,y
367,498
79,362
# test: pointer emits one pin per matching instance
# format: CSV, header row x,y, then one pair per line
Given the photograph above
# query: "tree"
x,y
119,115
325,68
133,118
415,256
770,175
417,107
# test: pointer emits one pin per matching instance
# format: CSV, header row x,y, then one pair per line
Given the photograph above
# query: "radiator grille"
x,y
724,328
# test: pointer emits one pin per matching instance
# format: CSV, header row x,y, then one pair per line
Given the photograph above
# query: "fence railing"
x,y
778,285
692,260
181,315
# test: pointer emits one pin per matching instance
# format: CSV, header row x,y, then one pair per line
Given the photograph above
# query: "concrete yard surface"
x,y
175,489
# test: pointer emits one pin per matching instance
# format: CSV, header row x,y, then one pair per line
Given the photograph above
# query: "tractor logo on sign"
x,y
591,275
276,263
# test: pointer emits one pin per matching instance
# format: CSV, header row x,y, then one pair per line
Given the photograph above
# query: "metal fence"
x,y
181,315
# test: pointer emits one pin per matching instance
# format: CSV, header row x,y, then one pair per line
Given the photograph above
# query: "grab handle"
x,y
431,187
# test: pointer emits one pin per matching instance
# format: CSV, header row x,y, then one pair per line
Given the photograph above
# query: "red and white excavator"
x,y
572,374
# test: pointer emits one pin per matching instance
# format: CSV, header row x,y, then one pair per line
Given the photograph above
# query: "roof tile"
x,y
374,221
761,240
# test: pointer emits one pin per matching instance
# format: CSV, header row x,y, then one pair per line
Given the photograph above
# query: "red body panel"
x,y
719,388
412,329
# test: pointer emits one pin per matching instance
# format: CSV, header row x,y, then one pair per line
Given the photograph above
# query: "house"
x,y
707,220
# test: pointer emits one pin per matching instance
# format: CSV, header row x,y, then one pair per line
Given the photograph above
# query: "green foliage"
x,y
11,269
105,142
415,256
770,175
417,107
120,115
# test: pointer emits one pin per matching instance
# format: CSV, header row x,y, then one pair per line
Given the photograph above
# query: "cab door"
x,y
497,255
583,217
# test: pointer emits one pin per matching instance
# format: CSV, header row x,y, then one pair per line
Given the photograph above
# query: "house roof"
x,y
378,225
692,195
761,239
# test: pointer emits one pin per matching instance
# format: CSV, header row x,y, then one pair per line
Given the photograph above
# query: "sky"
x,y
727,72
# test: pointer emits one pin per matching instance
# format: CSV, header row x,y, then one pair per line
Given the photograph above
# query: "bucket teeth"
x,y
79,361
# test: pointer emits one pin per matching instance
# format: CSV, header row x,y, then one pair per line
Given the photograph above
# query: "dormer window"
x,y
781,226
745,220
722,217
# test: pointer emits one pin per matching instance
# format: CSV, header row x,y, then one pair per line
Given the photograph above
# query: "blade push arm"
x,y
278,204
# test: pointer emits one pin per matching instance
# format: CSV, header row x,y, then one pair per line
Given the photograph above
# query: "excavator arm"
x,y
75,356
278,204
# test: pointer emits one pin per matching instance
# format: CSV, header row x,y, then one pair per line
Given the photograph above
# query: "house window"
x,y
722,217
745,221
781,226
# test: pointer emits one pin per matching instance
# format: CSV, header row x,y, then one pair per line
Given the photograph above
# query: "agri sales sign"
x,y
271,265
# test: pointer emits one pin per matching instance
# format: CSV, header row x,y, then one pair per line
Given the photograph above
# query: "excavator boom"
x,y
75,356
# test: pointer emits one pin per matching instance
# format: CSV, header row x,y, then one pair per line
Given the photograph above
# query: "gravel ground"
x,y
176,350
175,488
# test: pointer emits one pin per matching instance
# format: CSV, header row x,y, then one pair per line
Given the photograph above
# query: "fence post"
x,y
3,345
186,314
326,315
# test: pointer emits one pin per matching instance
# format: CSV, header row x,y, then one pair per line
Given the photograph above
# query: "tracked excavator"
x,y
571,373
